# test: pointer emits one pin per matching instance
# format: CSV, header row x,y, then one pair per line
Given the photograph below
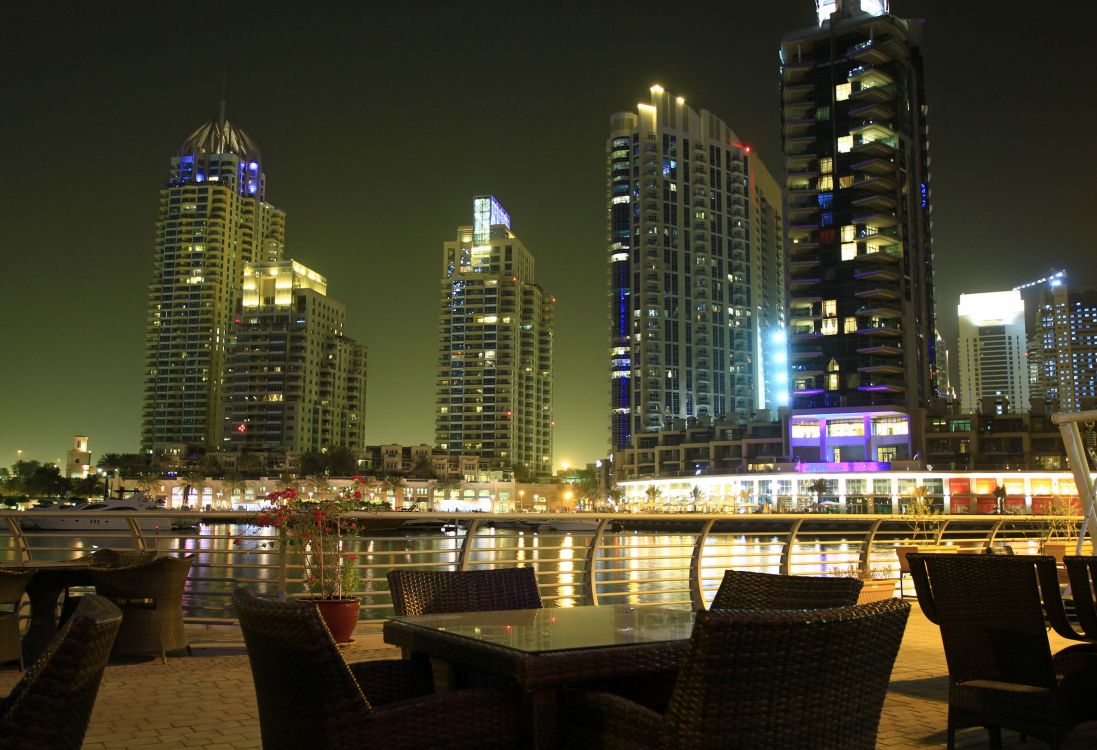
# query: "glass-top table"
x,y
537,631
540,650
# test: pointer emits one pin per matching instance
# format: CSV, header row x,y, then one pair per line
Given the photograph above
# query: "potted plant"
x,y
878,582
316,525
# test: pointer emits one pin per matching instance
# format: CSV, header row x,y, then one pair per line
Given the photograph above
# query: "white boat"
x,y
576,524
99,516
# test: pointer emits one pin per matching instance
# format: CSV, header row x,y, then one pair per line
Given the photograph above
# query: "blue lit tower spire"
x,y
213,219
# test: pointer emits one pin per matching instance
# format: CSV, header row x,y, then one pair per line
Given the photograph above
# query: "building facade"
x,y
496,327
860,270
695,266
214,218
1066,345
293,380
993,350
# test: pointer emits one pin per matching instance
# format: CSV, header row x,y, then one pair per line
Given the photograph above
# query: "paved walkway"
x,y
208,700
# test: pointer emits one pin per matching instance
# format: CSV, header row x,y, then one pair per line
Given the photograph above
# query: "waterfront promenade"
x,y
208,701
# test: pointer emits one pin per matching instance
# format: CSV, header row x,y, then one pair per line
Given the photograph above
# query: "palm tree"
x,y
819,487
395,484
653,494
317,485
234,484
695,496
447,486
192,481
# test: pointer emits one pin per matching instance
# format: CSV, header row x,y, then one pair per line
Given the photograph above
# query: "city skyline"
x,y
347,149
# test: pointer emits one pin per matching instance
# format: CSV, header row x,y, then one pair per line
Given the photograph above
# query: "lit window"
x,y
849,250
830,308
841,92
832,383
805,429
846,181
826,182
849,233
851,325
822,114
845,144
830,326
826,165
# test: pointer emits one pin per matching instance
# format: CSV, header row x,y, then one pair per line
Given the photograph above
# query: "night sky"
x,y
379,123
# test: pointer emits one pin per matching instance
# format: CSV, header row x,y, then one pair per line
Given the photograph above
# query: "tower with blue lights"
x,y
213,219
696,272
860,262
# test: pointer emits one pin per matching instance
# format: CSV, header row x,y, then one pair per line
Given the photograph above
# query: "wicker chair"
x,y
1082,571
748,590
993,611
51,705
760,679
101,558
12,585
151,597
430,592
309,697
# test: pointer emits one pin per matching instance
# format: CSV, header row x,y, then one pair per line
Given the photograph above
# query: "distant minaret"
x,y
78,460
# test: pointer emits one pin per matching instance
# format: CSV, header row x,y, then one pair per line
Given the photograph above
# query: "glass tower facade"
x,y
213,219
696,272
496,327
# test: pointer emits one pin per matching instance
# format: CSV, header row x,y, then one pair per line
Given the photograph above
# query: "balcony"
x,y
878,166
799,265
876,184
799,249
874,147
882,385
797,92
798,126
869,76
881,366
879,111
800,213
869,52
805,282
881,350
875,201
799,145
877,219
801,164
874,94
794,72
886,330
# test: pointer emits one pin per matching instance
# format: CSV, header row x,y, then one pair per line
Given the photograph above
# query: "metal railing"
x,y
586,558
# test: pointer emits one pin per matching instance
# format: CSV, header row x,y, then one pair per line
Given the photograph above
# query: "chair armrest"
x,y
393,680
596,719
462,718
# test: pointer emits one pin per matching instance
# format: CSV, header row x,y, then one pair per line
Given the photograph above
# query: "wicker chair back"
x,y
990,613
780,678
1082,570
151,596
427,592
302,683
743,589
51,705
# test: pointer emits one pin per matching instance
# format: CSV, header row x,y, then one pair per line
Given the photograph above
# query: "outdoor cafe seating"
x,y
51,705
425,592
746,589
309,696
759,679
993,612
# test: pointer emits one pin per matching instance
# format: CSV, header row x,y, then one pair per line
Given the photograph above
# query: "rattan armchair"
x,y
759,679
742,589
151,597
309,697
431,592
51,705
993,611
1082,571
12,585
101,558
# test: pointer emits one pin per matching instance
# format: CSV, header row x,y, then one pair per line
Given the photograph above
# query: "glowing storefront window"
x,y
845,428
890,426
805,430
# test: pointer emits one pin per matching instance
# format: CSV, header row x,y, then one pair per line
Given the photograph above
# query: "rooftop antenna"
x,y
221,116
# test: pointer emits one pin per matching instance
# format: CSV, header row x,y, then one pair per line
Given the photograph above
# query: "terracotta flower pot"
x,y
340,615
876,589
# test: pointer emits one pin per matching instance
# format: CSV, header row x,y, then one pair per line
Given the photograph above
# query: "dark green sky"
x,y
378,125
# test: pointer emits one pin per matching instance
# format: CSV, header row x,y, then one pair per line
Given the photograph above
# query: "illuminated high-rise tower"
x,y
992,351
213,219
494,386
696,271
860,281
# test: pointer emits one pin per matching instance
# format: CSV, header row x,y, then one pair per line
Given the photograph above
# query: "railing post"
x,y
696,590
466,548
943,525
786,556
138,537
590,588
1079,466
283,565
20,540
866,551
994,532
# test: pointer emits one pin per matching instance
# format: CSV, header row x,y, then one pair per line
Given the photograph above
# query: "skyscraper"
x,y
860,286
1067,340
213,219
293,380
494,386
696,269
993,346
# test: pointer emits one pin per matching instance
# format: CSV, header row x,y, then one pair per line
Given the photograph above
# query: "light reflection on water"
x,y
630,567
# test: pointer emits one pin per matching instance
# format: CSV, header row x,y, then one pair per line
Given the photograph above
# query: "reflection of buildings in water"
x,y
565,590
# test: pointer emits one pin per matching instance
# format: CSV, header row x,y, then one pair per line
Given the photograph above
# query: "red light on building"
x,y
241,427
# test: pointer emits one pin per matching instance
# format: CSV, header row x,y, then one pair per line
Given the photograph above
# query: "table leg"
x,y
541,714
42,626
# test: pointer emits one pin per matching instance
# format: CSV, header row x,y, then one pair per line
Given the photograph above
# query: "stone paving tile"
x,y
208,700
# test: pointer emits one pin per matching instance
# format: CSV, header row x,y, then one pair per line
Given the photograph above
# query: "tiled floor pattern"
x,y
207,700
